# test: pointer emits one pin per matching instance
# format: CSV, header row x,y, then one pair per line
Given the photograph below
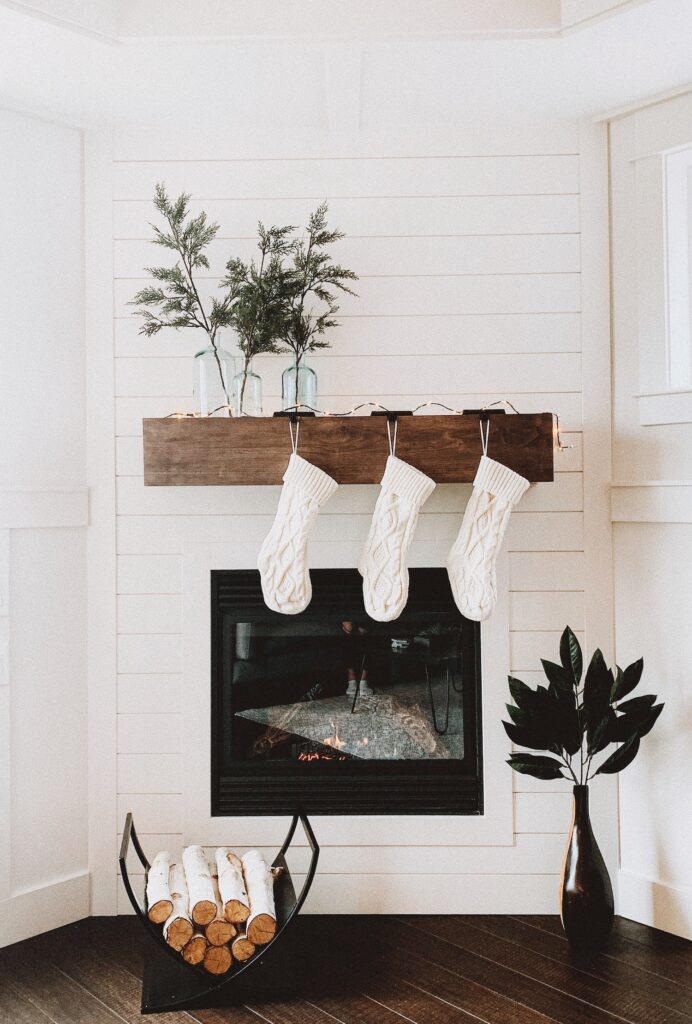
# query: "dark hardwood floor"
x,y
374,970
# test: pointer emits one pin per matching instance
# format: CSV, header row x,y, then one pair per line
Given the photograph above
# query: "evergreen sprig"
x,y
176,302
254,291
312,273
569,718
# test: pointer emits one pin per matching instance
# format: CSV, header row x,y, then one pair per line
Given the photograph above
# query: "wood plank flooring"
x,y
374,970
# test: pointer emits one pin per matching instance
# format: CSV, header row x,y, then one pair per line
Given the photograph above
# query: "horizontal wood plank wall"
x,y
469,258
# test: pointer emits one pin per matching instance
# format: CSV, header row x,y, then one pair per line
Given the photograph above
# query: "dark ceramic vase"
x,y
586,893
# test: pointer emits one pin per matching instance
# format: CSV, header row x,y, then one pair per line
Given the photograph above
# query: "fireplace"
x,y
329,712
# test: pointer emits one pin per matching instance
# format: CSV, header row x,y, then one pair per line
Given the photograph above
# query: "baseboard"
x,y
663,906
44,908
421,894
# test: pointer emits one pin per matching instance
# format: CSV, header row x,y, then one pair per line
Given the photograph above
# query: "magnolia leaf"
x,y
622,757
527,736
616,688
650,720
637,704
520,716
599,737
597,688
626,682
561,679
541,767
566,721
570,654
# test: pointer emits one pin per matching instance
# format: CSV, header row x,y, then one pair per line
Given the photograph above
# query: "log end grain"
x,y
220,932
160,912
179,933
236,912
203,912
194,950
217,959
242,948
261,929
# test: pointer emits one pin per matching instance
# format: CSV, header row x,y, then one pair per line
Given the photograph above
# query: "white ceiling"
x,y
392,63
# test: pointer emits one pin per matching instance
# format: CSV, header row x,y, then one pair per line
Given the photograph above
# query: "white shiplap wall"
x,y
469,257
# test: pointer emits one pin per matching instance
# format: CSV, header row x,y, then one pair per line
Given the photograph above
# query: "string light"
x,y
430,403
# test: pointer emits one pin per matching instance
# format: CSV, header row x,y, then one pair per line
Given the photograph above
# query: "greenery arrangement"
x,y
256,293
268,302
176,301
576,721
312,273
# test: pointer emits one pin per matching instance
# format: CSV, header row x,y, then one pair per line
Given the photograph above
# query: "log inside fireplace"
x,y
329,712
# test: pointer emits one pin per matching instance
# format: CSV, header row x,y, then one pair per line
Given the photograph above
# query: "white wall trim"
x,y
35,508
657,904
494,828
48,906
101,542
596,371
5,719
617,113
654,501
665,407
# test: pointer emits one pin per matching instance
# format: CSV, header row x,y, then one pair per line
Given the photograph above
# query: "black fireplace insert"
x,y
330,712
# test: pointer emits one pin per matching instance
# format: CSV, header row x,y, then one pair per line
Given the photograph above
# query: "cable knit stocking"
x,y
283,557
471,562
383,561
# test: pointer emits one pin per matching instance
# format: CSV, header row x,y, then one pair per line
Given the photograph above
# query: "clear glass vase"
x,y
299,386
214,370
247,393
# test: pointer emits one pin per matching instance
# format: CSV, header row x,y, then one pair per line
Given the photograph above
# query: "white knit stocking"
x,y
283,557
383,561
471,562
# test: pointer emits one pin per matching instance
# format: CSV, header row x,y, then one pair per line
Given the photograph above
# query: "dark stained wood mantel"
x,y
353,450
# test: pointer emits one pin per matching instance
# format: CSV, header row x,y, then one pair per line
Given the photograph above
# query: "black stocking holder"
x,y
170,983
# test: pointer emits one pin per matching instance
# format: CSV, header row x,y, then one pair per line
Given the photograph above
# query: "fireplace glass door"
x,y
331,712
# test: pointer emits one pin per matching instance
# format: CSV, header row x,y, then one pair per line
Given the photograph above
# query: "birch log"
x,y
234,895
177,929
219,931
242,948
217,959
158,892
199,884
195,948
259,881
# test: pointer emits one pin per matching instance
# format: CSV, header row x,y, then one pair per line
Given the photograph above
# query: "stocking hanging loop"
x,y
294,437
484,422
391,437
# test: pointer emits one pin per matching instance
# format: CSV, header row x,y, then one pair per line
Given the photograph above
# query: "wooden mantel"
x,y
219,451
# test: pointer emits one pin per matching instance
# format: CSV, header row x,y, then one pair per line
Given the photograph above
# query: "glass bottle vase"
x,y
299,386
214,370
247,393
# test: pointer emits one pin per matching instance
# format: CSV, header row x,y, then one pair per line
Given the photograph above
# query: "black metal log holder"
x,y
170,983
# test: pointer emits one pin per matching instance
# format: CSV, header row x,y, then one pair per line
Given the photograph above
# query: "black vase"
x,y
586,894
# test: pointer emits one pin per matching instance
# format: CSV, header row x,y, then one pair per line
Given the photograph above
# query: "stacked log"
x,y
177,928
199,884
236,903
158,891
261,924
216,910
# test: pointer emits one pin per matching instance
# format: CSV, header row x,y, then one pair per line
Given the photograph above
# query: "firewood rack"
x,y
170,983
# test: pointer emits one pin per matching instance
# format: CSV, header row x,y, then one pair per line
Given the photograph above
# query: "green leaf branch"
x,y
255,292
569,718
312,276
176,302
